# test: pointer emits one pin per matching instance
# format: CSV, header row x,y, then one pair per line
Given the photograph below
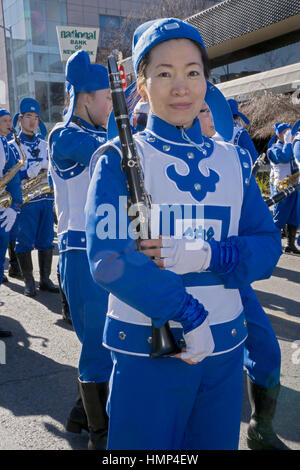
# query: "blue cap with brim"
x,y
234,106
30,105
82,76
154,32
295,127
278,127
4,112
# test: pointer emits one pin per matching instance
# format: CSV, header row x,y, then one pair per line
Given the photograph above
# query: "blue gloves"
x,y
224,256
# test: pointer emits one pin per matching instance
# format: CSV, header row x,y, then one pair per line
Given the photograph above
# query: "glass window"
x,y
57,101
40,62
42,96
109,30
55,64
38,22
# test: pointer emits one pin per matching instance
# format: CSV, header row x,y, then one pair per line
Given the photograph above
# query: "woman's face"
x,y
206,121
175,84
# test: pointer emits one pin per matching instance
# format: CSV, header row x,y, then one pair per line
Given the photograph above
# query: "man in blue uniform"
x,y
8,214
283,165
72,144
36,220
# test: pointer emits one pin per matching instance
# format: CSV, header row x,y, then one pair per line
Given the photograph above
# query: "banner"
x,y
74,38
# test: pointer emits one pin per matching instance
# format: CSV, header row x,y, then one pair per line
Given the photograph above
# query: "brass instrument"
x,y
5,197
288,181
36,187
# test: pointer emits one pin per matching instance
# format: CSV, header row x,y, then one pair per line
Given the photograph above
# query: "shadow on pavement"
x,y
289,274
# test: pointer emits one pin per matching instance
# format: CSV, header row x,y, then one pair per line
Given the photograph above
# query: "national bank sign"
x,y
73,38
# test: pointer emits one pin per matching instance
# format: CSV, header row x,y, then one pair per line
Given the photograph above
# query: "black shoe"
x,y
260,433
64,303
77,420
26,267
5,333
291,239
45,262
94,397
14,268
4,279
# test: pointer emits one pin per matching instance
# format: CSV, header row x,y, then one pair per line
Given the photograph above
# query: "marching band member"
x,y
8,214
296,149
262,356
36,220
193,400
72,143
283,164
241,136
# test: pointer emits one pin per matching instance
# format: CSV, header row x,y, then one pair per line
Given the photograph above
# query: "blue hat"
x,y
295,127
278,127
234,106
30,105
154,32
4,112
82,76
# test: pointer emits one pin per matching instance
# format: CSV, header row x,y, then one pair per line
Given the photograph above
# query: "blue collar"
x,y
86,125
173,133
28,140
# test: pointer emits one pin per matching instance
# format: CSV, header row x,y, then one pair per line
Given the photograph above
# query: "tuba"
x,y
5,197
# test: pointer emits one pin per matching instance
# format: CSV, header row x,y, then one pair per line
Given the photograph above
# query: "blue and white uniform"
x,y
7,161
240,135
36,220
283,164
191,189
71,148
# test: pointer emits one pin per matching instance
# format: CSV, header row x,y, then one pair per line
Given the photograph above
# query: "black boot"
x,y
77,419
94,397
291,238
14,268
260,434
4,279
45,263
25,263
64,303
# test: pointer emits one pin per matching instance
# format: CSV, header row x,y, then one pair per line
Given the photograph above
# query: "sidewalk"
x,y
38,381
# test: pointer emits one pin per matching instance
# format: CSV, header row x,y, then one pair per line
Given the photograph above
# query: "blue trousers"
x,y
35,226
262,357
287,211
4,239
88,306
166,404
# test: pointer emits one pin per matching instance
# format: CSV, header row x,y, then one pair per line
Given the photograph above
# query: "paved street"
x,y
38,381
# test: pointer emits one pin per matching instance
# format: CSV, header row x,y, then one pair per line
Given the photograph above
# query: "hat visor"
x,y
220,110
70,111
132,98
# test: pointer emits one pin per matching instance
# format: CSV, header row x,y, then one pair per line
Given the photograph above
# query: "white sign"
x,y
74,38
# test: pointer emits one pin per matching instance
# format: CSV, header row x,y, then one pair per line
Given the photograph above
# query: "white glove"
x,y
185,256
34,169
199,343
44,164
288,136
8,218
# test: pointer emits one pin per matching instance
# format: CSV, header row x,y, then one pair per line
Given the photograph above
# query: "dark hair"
x,y
142,119
146,60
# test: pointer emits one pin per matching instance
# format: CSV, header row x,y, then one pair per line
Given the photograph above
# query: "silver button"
x,y
243,152
247,181
83,239
72,173
208,145
149,340
204,152
245,322
64,242
246,165
233,332
182,342
197,186
190,155
166,148
122,335
151,139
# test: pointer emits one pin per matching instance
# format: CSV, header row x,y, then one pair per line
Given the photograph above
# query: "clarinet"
x,y
163,342
258,163
282,195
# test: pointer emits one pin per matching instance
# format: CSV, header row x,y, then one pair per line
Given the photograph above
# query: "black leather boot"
x,y
64,303
291,238
25,263
45,263
260,434
94,397
14,268
77,419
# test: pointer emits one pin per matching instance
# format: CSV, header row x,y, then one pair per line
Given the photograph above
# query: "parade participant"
x,y
241,136
262,356
72,143
210,247
283,165
8,214
6,124
296,149
36,220
139,115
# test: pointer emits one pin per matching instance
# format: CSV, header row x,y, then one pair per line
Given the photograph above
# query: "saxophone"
x,y
36,187
288,181
5,197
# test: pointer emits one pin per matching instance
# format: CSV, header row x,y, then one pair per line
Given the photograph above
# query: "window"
x,y
42,97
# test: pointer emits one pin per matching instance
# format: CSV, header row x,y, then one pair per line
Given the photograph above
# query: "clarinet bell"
x,y
163,342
